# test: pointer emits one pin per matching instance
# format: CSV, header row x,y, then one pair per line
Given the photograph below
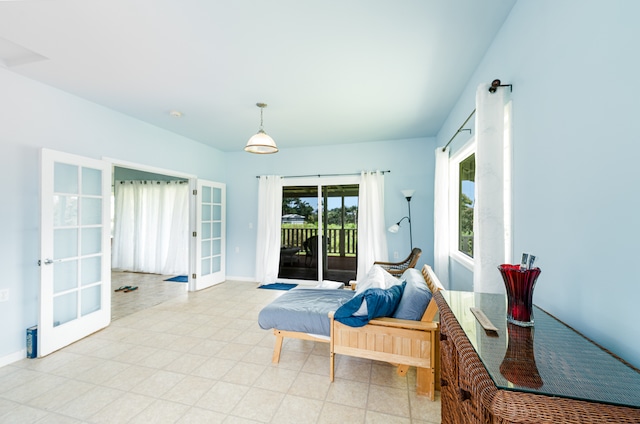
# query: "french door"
x,y
75,277
208,238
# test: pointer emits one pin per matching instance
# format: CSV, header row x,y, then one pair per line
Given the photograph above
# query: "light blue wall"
x,y
411,163
33,116
576,76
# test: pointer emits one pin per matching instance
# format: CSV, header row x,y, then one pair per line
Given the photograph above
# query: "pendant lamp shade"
x,y
261,143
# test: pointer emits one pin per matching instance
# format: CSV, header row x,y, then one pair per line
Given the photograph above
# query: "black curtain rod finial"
x,y
497,83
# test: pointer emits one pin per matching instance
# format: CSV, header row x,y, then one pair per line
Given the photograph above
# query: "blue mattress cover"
x,y
305,311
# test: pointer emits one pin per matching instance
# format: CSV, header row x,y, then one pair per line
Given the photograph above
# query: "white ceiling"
x,y
331,71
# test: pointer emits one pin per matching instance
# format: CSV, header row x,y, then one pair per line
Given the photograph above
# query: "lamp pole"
x,y
410,232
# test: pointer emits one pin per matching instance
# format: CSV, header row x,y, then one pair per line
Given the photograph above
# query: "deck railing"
x,y
342,242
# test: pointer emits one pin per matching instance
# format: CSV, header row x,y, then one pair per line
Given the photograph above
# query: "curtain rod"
x,y
324,175
459,130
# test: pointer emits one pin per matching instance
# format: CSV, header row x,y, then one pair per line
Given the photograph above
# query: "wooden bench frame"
x,y
400,342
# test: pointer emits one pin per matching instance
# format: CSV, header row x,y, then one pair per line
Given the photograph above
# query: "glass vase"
x,y
519,285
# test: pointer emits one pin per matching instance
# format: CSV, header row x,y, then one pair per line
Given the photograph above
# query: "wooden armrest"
x,y
404,323
386,263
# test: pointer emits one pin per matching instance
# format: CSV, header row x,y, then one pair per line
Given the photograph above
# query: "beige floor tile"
x,y
122,409
258,404
316,364
424,408
383,374
380,418
333,413
158,383
244,373
312,386
160,412
54,399
222,397
89,403
186,363
22,414
298,410
189,390
129,378
214,368
201,416
353,369
277,379
348,392
388,400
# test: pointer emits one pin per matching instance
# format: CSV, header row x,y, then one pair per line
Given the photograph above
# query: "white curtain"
x,y
151,227
441,216
492,211
372,237
269,220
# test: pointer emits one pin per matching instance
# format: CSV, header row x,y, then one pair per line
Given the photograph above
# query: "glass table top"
x,y
548,358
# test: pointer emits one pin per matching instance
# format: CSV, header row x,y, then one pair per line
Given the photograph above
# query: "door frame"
x,y
162,171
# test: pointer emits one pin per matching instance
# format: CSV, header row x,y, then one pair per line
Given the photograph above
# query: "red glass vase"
x,y
519,284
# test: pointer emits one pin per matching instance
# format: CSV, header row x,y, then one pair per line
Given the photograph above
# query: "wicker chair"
x,y
397,268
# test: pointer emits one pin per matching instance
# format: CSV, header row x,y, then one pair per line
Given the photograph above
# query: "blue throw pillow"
x,y
380,303
415,298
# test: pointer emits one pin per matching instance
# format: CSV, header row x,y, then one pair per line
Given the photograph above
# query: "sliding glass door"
x,y
319,231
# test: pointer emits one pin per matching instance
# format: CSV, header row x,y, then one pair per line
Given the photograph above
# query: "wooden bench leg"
x,y
332,365
425,382
277,347
402,370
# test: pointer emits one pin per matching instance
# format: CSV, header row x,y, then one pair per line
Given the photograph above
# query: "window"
x,y
466,202
462,168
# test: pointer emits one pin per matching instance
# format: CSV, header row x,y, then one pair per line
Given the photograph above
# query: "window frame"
x,y
454,203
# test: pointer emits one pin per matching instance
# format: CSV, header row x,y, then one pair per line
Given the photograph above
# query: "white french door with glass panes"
x,y
209,235
75,277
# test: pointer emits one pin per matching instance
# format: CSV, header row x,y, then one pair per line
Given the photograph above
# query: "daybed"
x,y
309,315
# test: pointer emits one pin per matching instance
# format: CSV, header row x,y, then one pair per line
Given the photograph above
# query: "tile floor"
x,y
201,358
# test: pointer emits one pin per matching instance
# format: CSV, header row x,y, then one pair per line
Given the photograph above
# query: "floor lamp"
x,y
408,194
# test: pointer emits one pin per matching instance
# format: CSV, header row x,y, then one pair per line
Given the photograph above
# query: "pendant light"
x,y
261,143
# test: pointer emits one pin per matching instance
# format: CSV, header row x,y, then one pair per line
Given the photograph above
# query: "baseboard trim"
x,y
247,279
13,357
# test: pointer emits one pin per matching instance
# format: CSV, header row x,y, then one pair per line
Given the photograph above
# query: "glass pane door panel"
x,y
91,208
206,248
217,247
206,212
91,182
91,269
91,240
215,265
206,230
216,229
65,308
65,243
217,212
65,178
206,266
90,300
65,211
206,194
65,276
217,195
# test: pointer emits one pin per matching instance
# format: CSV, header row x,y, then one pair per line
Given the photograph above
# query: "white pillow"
x,y
327,284
377,278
